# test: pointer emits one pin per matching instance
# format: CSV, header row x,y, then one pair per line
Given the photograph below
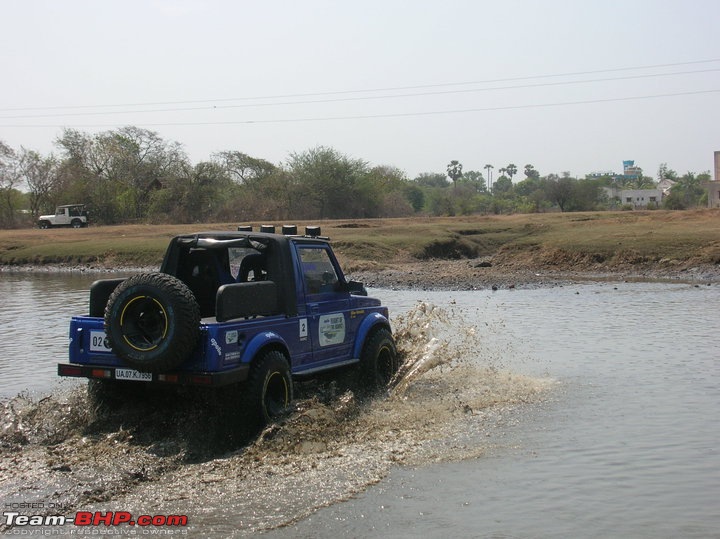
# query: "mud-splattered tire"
x,y
378,361
152,321
268,390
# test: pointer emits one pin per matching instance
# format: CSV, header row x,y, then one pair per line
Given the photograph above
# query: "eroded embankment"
x,y
165,454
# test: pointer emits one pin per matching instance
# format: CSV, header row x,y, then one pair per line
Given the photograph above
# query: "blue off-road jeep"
x,y
251,310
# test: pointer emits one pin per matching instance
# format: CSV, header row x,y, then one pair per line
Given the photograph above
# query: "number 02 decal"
x,y
303,328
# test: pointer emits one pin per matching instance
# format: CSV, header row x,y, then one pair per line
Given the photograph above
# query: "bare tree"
x,y
9,182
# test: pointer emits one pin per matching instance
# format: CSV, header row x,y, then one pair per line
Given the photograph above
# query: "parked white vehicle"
x,y
72,215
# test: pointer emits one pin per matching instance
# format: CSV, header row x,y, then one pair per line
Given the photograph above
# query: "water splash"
x,y
447,402
429,337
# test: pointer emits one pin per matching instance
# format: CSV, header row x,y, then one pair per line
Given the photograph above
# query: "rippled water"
x,y
34,319
624,443
629,446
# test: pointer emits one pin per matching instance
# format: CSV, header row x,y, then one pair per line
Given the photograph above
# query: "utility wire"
x,y
400,114
363,98
368,90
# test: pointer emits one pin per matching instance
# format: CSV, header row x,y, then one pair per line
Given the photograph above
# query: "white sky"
x,y
229,60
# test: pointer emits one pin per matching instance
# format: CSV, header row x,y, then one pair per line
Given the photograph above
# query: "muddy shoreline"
x,y
480,274
465,274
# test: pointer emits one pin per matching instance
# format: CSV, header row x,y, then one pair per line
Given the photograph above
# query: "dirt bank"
x,y
479,274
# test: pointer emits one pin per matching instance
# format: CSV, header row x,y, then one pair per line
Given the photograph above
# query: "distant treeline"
x,y
133,175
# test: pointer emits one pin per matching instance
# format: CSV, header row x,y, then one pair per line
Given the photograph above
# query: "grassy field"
x,y
574,240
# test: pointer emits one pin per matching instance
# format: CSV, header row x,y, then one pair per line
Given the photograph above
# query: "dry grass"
x,y
576,239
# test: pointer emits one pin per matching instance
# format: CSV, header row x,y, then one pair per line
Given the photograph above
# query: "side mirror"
x,y
354,287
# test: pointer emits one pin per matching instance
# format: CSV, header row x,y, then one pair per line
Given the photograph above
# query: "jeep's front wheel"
x,y
152,321
378,361
269,389
44,224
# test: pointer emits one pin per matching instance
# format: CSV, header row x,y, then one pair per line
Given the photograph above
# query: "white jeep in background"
x,y
72,215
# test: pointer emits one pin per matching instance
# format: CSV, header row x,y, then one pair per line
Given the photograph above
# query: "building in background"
x,y
714,186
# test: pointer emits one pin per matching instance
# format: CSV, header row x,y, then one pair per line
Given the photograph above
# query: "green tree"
x,y
454,171
511,170
328,181
560,190
531,173
415,196
502,186
431,179
688,192
475,180
115,171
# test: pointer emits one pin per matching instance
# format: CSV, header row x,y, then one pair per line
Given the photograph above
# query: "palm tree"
x,y
511,170
454,170
489,173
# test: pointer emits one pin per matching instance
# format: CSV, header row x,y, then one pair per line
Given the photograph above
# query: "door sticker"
x,y
303,329
231,337
331,329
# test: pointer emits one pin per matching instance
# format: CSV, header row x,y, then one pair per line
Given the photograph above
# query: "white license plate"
x,y
132,374
99,342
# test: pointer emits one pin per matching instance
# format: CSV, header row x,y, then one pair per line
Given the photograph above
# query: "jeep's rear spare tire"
x,y
152,321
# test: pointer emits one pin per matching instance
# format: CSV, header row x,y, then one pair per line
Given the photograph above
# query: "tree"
x,y
511,170
243,168
40,174
115,171
489,168
475,180
503,185
328,181
665,173
454,171
531,173
431,179
688,192
560,190
415,196
9,181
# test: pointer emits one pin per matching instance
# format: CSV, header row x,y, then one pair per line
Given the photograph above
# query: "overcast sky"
x,y
565,85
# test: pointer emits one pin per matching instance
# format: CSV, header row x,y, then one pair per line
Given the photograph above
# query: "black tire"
x,y
44,224
268,390
152,321
378,361
76,223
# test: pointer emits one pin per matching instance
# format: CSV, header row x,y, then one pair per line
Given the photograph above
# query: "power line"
x,y
396,115
369,90
364,98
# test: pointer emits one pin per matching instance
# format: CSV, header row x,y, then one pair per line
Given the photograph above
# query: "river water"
x,y
590,410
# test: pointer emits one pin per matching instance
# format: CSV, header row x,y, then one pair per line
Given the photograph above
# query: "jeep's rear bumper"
x,y
203,379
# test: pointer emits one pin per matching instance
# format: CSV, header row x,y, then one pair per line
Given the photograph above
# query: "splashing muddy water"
x,y
168,456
